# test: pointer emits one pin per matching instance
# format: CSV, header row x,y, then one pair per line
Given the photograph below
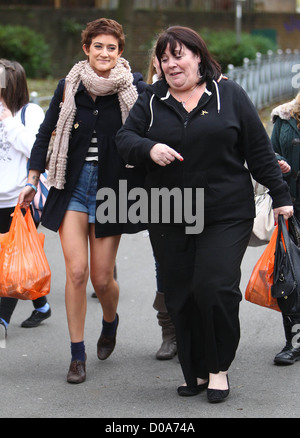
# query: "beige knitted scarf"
x,y
120,81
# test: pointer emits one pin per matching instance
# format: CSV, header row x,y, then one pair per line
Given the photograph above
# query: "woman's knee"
x,y
78,274
103,282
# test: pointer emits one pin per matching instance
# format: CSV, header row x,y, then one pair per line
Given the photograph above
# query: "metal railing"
x,y
269,78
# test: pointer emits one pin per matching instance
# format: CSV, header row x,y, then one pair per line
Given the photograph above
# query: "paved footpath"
x,y
132,385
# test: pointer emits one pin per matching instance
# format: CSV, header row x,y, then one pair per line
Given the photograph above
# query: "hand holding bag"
x,y
24,270
286,287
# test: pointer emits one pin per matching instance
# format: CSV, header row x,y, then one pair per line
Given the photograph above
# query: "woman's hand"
x,y
287,211
284,166
5,113
26,196
163,155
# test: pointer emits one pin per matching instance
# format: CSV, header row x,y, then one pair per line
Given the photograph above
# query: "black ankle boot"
x,y
287,356
291,352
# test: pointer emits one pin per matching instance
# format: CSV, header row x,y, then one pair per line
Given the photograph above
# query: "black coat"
x,y
104,116
216,139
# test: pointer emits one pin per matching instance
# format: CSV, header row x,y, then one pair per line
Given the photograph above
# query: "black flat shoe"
x,y
217,395
188,391
36,318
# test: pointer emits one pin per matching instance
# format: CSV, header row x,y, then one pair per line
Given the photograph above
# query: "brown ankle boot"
x,y
168,348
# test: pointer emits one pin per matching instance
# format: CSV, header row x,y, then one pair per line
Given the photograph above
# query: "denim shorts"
x,y
84,195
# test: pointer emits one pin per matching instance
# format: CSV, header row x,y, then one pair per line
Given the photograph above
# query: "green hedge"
x,y
224,47
19,43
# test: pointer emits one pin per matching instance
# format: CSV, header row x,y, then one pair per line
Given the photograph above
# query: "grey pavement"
x,y
132,384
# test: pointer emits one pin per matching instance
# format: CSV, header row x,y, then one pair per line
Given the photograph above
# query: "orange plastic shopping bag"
x,y
24,269
258,290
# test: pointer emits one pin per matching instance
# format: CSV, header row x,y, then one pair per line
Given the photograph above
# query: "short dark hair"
x,y
184,36
103,26
15,94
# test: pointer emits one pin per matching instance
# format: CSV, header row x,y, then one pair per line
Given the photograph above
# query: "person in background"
x,y
154,72
194,129
16,141
99,94
285,139
168,348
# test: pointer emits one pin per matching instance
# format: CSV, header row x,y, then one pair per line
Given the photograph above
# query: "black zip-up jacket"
x,y
216,140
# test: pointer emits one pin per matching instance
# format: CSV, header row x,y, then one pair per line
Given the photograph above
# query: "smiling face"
x,y
103,54
181,68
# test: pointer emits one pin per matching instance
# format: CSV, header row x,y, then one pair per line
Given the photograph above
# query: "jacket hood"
x,y
161,90
283,111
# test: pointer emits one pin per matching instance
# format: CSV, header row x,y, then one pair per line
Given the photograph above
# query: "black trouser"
x,y
201,276
7,305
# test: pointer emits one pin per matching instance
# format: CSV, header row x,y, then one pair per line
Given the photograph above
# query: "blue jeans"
x,y
84,195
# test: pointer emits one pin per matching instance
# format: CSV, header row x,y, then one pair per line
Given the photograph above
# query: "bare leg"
x,y
102,261
74,239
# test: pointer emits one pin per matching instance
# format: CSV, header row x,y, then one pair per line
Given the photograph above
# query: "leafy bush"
x,y
19,43
224,48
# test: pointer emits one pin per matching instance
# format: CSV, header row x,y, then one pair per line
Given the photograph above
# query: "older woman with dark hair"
x,y
97,96
195,129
